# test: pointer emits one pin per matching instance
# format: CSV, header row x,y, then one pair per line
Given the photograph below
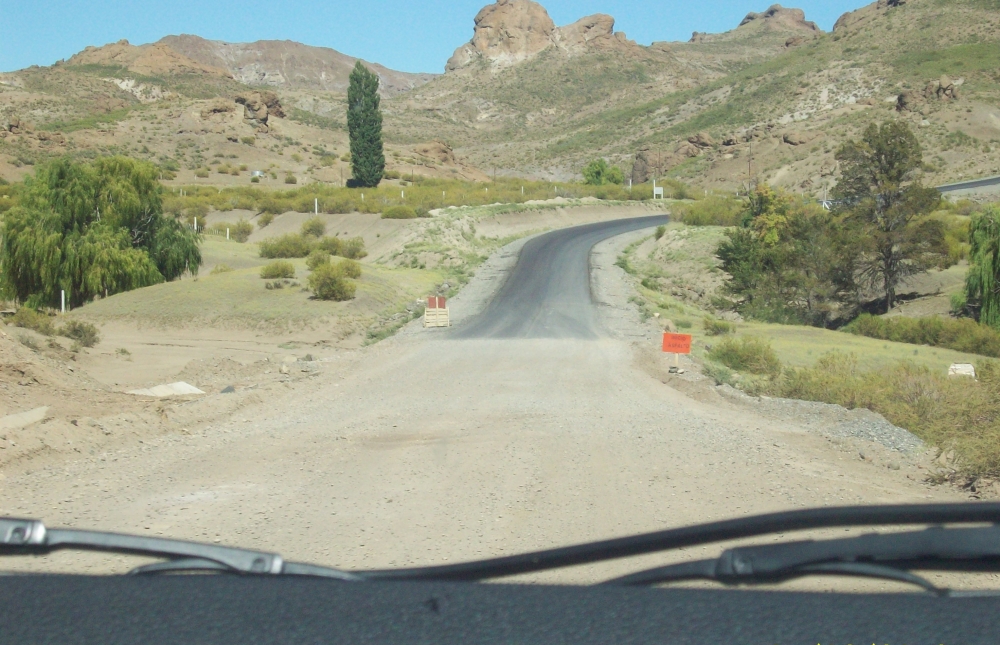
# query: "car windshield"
x,y
428,286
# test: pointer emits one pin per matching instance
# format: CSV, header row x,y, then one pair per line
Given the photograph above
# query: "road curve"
x,y
547,294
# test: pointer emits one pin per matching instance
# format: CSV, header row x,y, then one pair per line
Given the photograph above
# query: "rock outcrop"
x,y
258,107
797,137
780,18
437,152
509,32
641,167
149,60
506,33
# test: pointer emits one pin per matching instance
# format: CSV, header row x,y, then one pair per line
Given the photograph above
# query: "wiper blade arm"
x,y
31,537
725,530
889,555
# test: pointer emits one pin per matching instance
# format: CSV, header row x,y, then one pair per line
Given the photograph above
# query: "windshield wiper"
x,y
887,556
31,537
896,515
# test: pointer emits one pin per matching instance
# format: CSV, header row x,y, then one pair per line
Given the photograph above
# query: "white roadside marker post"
x,y
316,205
63,298
227,234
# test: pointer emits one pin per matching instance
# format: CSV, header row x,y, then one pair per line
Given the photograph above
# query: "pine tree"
x,y
364,123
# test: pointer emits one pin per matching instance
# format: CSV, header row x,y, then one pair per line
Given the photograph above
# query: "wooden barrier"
x,y
436,314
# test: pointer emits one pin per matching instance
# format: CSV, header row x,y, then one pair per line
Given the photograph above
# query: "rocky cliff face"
x,y
512,31
780,18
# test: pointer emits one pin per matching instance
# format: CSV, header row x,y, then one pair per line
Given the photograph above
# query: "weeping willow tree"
x,y
91,229
982,283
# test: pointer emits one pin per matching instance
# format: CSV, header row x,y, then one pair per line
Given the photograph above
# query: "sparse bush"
x,y
711,211
399,212
951,413
660,232
314,227
391,174
84,333
354,248
265,219
201,173
422,212
30,319
255,180
963,335
291,179
349,268
715,327
317,259
328,283
747,354
221,268
289,245
241,231
277,269
28,341
248,141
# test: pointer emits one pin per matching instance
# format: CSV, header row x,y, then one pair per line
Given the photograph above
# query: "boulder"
x,y
259,106
701,140
593,30
218,106
797,138
687,149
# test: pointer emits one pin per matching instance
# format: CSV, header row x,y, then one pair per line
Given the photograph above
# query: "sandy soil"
x,y
425,450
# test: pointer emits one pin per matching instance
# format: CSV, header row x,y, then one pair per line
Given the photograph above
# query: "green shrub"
x,y
747,354
327,283
711,211
241,231
201,173
422,212
391,174
317,259
354,248
332,245
660,232
291,179
248,141
349,268
715,327
265,219
289,245
255,180
277,269
399,212
221,268
31,319
314,227
84,333
963,334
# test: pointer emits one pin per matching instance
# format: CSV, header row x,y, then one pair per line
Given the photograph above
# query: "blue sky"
x,y
410,35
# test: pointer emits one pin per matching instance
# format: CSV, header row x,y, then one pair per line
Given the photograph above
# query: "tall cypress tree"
x,y
364,123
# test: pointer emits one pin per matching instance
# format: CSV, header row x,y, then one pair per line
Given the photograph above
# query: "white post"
x,y
442,194
362,197
227,232
402,194
522,191
316,204
63,297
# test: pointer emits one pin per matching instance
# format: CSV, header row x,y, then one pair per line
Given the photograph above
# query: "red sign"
x,y
677,343
435,302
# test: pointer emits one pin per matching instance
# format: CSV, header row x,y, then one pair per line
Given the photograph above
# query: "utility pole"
x,y
750,166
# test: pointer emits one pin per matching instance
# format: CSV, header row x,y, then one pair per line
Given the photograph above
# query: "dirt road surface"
x,y
443,445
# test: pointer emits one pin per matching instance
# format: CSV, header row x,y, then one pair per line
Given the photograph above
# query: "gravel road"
x,y
425,449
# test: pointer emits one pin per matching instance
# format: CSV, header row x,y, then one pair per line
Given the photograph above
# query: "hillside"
x,y
526,97
693,107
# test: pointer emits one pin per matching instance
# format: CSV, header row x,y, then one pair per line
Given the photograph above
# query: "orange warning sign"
x,y
677,343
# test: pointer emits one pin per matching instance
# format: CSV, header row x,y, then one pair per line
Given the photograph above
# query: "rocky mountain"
x,y
283,64
519,97
527,97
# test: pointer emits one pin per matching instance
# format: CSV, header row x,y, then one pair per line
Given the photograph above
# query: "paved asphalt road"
x,y
969,185
547,294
